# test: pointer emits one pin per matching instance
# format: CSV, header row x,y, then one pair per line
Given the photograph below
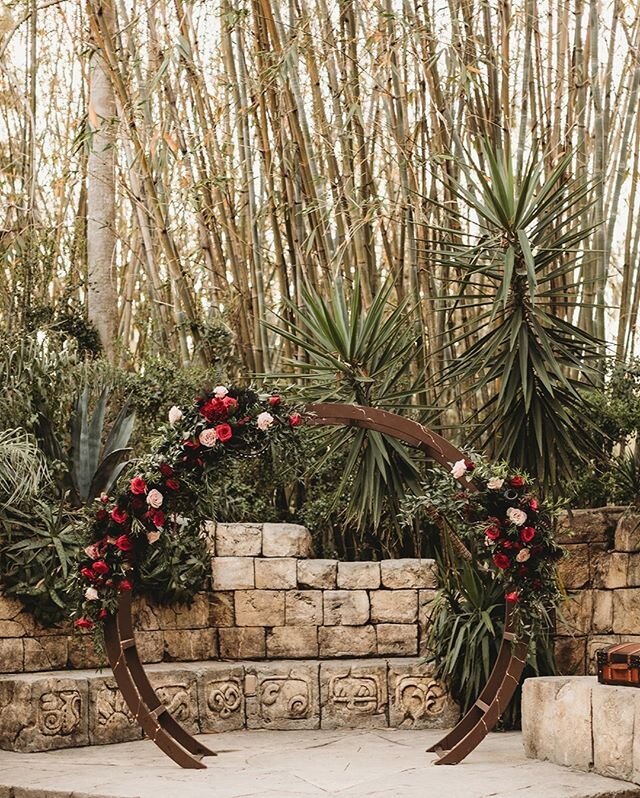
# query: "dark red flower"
x,y
214,410
516,482
83,623
100,567
102,614
124,543
125,584
295,419
224,432
534,504
537,584
230,404
274,401
138,486
492,532
88,574
137,502
527,534
192,444
118,515
501,560
172,484
157,516
470,465
166,470
104,498
512,596
101,515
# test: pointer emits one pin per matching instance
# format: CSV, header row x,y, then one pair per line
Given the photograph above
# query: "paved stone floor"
x,y
262,764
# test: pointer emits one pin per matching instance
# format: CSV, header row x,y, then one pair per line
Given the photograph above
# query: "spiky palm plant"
x,y
523,361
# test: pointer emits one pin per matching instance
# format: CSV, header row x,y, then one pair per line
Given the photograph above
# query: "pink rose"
x,y
91,594
264,421
92,551
155,498
208,437
516,516
495,483
523,555
175,415
220,391
153,537
459,469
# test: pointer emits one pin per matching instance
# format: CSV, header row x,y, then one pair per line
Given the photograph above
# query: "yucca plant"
x,y
520,357
364,355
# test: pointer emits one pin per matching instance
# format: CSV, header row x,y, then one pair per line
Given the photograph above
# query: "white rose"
x,y
152,537
155,498
459,469
264,421
175,415
523,555
220,391
91,594
495,483
208,437
517,517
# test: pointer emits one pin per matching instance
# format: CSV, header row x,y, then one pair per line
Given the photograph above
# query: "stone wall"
x,y
602,579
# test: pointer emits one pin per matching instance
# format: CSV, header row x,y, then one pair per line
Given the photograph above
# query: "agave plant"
x,y
524,362
350,353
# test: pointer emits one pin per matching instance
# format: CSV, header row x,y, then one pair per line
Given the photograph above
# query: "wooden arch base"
x,y
176,742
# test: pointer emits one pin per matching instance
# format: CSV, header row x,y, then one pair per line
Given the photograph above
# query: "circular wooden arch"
x,y
175,741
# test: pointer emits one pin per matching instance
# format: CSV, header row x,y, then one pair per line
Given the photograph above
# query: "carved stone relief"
x,y
417,700
110,720
282,696
354,694
221,697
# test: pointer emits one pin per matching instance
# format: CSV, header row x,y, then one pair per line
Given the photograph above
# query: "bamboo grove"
x,y
264,147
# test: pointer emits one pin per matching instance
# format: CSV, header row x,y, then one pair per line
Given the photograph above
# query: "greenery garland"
x,y
164,507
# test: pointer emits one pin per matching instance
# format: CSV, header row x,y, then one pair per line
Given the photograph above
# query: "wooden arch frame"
x,y
186,751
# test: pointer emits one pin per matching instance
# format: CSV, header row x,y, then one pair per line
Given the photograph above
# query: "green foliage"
x,y
22,467
527,359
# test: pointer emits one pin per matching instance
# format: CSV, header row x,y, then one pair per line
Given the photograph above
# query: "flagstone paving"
x,y
264,764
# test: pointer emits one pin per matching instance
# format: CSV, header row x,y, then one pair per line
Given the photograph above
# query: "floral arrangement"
x,y
515,532
164,496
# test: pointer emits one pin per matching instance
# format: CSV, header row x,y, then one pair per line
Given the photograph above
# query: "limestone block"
x,y
194,615
354,695
613,711
177,689
347,641
146,616
276,573
425,603
40,713
575,613
242,643
417,700
586,526
296,642
626,611
82,653
359,575
556,719
394,606
150,646
238,540
232,573
633,572
286,540
408,573
11,655
320,574
221,698
259,607
303,607
9,608
573,569
188,645
282,695
110,720
22,623
594,643
397,639
602,621
627,535
570,654
46,653
210,537
221,608
346,607
609,569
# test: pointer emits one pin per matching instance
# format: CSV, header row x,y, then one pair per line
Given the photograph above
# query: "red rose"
x,y
124,543
534,504
230,404
516,482
214,410
470,465
166,470
138,486
528,534
224,433
157,516
88,574
102,614
100,567
172,484
125,584
512,596
101,515
137,502
492,532
83,623
274,401
118,515
502,561
295,419
109,583
104,498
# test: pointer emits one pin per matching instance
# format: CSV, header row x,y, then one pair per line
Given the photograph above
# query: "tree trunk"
x,y
102,299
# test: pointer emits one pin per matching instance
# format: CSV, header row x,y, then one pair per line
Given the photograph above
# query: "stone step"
x,y
65,709
575,721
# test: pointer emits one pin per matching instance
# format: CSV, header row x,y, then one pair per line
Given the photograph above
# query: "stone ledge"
x,y
66,709
575,721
